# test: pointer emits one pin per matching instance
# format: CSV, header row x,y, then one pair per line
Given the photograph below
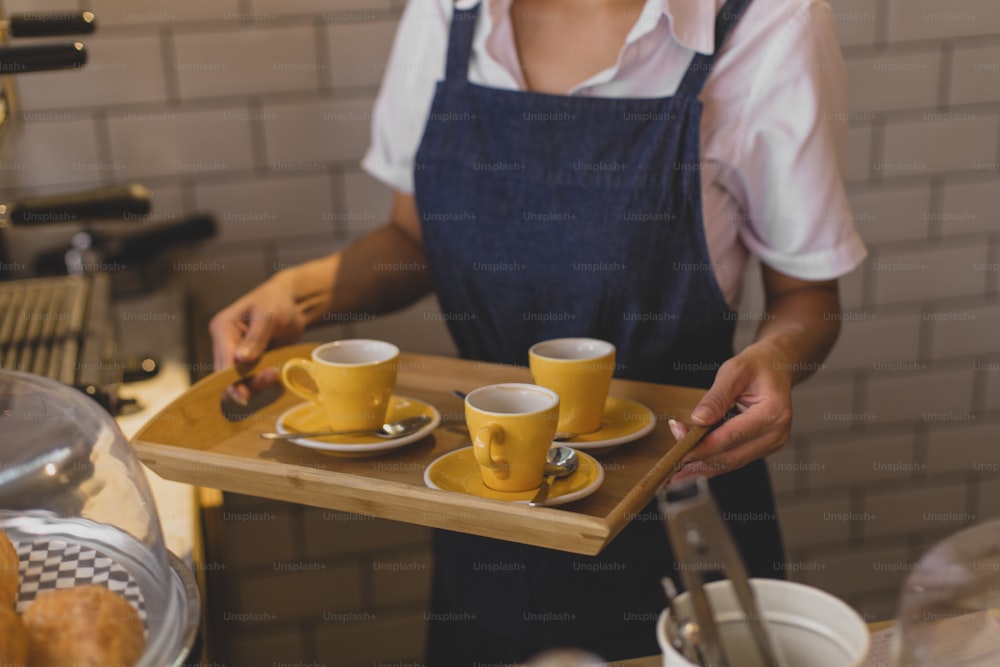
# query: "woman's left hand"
x,y
758,382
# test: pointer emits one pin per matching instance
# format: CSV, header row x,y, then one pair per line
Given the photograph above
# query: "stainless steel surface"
x,y
559,462
172,605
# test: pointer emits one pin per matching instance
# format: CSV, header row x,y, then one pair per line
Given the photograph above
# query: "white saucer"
x,y
307,417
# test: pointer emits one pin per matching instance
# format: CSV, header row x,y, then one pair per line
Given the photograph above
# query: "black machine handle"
x,y
122,202
148,243
41,57
133,248
51,24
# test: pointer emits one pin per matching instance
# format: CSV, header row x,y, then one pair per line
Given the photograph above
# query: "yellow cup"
x,y
352,381
579,370
512,426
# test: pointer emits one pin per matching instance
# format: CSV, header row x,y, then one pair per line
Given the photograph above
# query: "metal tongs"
x,y
702,546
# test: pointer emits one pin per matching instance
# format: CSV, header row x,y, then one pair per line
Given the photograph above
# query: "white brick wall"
x,y
253,107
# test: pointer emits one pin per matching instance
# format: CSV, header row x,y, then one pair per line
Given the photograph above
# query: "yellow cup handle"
x,y
483,448
302,390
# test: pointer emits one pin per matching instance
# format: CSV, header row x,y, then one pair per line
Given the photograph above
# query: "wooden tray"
x,y
191,441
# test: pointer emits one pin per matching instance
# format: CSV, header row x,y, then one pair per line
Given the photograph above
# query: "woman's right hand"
x,y
270,314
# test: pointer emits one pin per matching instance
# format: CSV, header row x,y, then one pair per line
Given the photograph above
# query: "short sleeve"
x,y
416,63
788,166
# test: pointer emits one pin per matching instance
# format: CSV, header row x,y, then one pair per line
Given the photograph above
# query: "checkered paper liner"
x,y
47,565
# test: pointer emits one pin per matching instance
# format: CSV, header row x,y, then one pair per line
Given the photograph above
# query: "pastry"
x,y
8,572
13,640
84,626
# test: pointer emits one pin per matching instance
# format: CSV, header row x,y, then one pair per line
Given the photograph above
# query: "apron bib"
x,y
546,216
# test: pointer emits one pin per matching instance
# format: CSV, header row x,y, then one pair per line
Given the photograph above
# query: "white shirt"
x,y
773,125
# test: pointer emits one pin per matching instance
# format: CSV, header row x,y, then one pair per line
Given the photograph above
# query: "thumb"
x,y
714,405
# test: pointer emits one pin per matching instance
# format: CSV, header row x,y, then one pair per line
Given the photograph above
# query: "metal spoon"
x,y
396,429
560,436
559,462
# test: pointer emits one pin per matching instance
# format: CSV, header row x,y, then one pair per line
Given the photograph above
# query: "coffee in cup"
x,y
512,426
579,370
352,381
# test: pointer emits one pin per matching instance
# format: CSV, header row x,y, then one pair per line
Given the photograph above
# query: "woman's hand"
x,y
274,313
801,325
758,382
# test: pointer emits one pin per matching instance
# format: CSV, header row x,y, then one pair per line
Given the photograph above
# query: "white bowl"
x,y
809,627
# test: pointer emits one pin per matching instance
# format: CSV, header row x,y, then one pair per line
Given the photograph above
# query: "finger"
x,y
238,393
730,382
744,427
732,459
257,337
677,429
226,329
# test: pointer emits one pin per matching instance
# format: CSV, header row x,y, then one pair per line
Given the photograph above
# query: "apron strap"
x,y
701,64
463,29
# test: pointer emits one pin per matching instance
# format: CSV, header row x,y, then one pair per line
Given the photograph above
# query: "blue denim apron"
x,y
546,216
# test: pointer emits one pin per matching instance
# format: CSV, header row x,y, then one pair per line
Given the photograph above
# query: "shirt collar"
x,y
692,22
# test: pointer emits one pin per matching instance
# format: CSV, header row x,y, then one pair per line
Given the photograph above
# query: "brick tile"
x,y
969,207
246,60
860,571
127,13
258,536
915,510
875,341
930,19
954,141
820,405
304,595
930,396
856,21
326,8
784,467
236,275
303,137
382,639
255,210
975,75
175,143
402,577
859,152
265,646
842,461
964,448
992,370
812,522
852,289
120,69
367,204
929,274
975,335
358,52
329,533
420,328
897,80
58,152
989,499
887,214
11,7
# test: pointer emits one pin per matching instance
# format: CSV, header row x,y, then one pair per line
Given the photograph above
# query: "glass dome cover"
x,y
949,611
74,496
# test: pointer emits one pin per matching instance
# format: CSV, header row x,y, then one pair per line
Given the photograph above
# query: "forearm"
x,y
800,328
383,271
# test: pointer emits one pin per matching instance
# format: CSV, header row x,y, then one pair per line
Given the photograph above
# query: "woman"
x,y
601,168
